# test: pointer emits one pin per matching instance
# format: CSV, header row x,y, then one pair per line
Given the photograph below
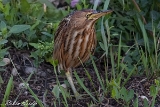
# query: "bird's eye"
x,y
88,15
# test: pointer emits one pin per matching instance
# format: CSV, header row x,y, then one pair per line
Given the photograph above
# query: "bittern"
x,y
75,40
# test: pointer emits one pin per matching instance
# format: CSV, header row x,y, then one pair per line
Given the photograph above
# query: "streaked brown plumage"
x,y
75,40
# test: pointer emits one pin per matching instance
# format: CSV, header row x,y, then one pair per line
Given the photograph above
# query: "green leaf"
x,y
25,6
148,26
128,59
19,28
79,7
135,103
2,25
155,15
6,9
2,63
35,45
157,82
3,41
56,91
145,103
47,34
20,43
123,93
3,52
152,90
130,95
115,93
1,6
102,45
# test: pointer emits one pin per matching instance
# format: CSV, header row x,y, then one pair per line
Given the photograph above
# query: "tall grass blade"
x,y
30,90
95,4
7,92
145,36
97,73
119,52
35,97
106,3
62,91
104,38
102,29
84,87
112,62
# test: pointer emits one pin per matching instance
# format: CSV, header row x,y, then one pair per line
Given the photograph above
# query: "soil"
x,y
43,83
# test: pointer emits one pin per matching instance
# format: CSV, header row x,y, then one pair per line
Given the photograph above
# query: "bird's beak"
x,y
97,15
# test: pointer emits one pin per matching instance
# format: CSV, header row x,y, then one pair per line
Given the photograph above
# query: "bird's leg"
x,y
70,80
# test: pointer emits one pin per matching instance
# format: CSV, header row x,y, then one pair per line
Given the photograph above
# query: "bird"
x,y
75,40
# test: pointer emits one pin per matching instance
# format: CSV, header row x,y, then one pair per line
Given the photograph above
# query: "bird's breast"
x,y
78,46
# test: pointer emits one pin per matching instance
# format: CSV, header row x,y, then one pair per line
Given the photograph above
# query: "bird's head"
x,y
87,16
